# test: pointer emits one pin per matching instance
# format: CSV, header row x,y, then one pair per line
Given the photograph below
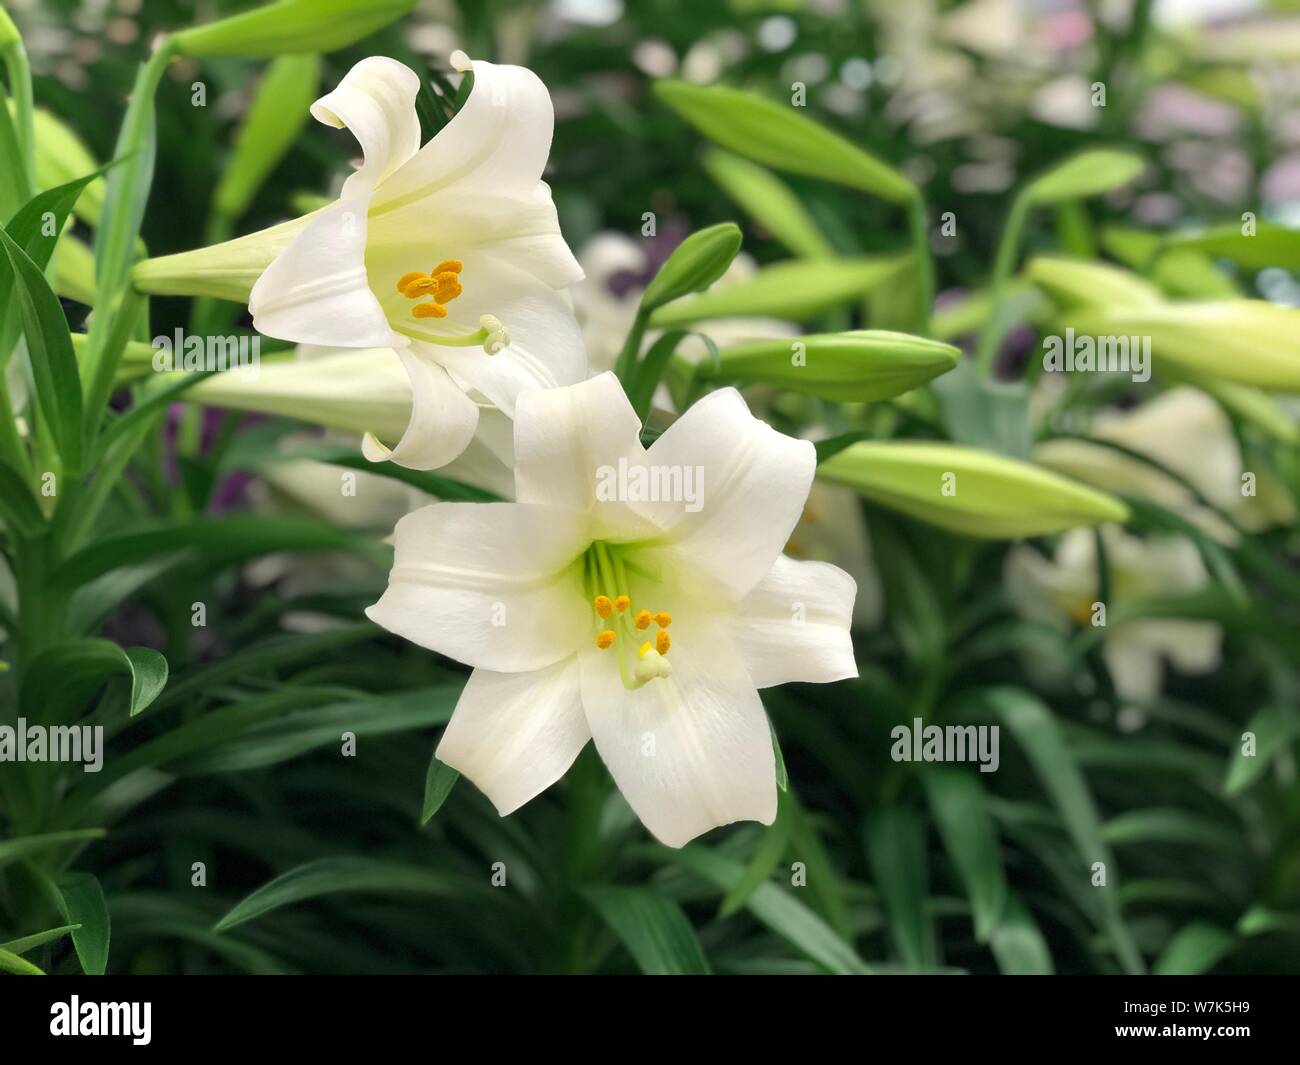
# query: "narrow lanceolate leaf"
x,y
39,939
861,366
653,928
968,491
1194,949
771,846
1039,736
960,809
11,850
1265,246
769,202
896,852
330,876
12,963
438,782
1090,173
65,673
774,907
778,136
18,507
1018,944
83,904
49,347
798,291
1268,733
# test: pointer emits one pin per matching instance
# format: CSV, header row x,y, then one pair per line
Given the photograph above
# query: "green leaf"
x,y
985,413
1194,949
1175,827
769,202
438,782
22,846
1269,246
83,904
647,373
774,907
279,112
895,843
653,928
960,809
1018,944
1090,173
21,513
1274,730
798,291
772,845
49,347
11,963
1040,737
68,673
779,136
38,939
331,876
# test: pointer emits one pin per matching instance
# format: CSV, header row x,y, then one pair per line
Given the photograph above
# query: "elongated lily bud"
x,y
62,157
694,265
1089,173
858,366
1250,342
779,136
276,117
1076,283
795,291
968,491
291,26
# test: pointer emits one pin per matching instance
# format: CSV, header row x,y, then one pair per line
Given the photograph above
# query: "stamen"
x,y
605,640
663,641
603,606
406,279
663,619
443,284
448,266
429,310
622,603
643,619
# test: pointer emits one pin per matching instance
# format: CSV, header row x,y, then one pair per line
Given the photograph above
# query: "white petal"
x,y
316,292
376,102
443,418
794,625
567,440
1135,668
688,752
755,483
516,734
493,585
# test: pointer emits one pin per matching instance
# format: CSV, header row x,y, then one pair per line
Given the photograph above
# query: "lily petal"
x,y
376,102
516,734
794,625
690,751
493,585
443,418
755,483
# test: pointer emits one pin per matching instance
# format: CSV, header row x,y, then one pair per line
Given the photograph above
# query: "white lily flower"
x,y
1185,431
1061,592
598,607
449,255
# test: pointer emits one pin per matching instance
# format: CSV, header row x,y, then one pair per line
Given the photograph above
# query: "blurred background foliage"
x,y
322,863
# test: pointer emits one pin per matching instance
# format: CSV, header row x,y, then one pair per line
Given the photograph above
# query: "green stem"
x,y
1003,265
632,346
918,221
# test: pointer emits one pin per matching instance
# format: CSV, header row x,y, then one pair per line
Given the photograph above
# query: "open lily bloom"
x,y
638,597
450,254
1061,592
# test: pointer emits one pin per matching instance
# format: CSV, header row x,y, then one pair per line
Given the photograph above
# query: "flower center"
x,y
620,629
442,283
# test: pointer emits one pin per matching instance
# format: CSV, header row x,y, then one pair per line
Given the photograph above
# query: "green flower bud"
x,y
968,491
694,265
291,26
